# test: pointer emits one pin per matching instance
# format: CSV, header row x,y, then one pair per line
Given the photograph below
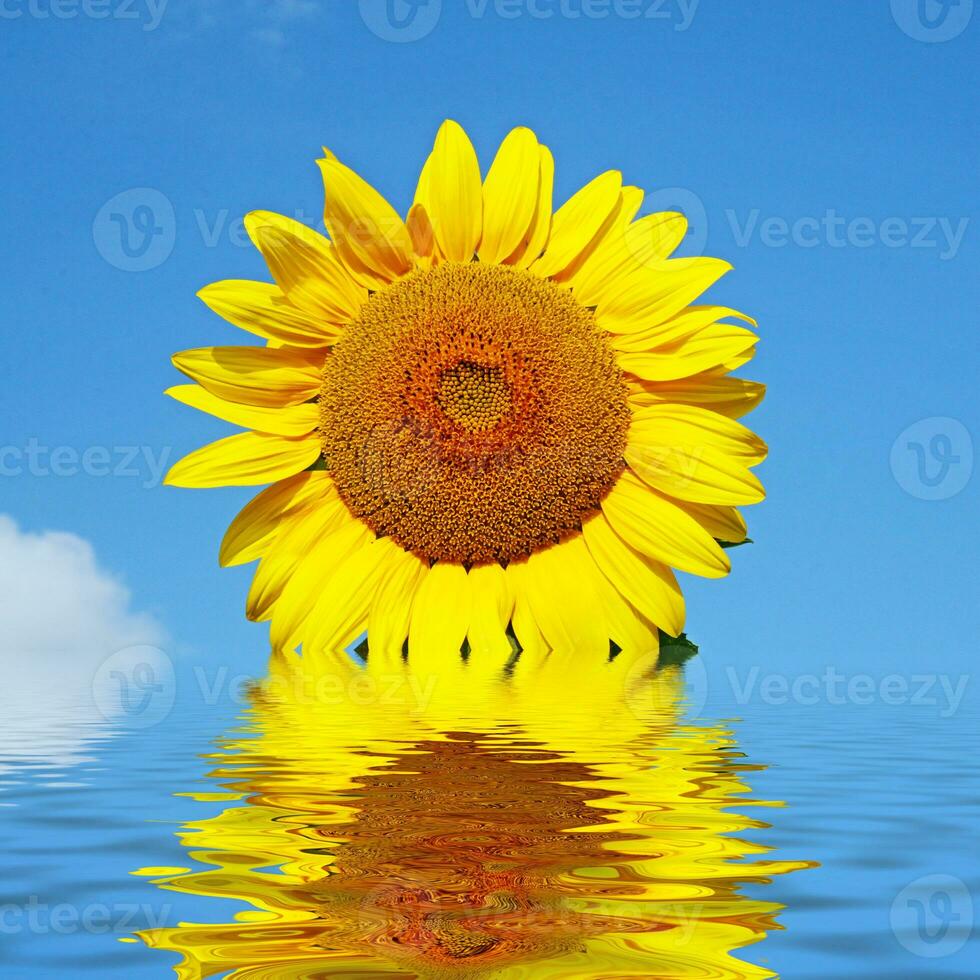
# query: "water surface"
x,y
556,824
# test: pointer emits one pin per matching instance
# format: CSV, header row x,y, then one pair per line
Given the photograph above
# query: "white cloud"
x,y
58,605
62,617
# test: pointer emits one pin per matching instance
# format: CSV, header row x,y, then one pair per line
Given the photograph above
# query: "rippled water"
x,y
561,823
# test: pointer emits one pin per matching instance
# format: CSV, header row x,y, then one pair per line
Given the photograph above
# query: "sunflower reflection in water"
x,y
417,826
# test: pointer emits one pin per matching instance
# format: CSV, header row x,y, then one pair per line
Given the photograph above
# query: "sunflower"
x,y
486,427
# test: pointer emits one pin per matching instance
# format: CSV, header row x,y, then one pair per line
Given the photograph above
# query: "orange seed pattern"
x,y
474,413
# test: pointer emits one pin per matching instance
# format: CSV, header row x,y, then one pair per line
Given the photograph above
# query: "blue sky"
x,y
830,151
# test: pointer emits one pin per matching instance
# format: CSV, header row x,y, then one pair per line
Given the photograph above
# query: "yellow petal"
x,y
245,460
657,292
311,579
630,204
420,230
662,530
578,221
306,267
649,585
263,309
628,247
346,587
534,647
254,375
691,426
564,602
693,454
422,187
655,237
298,532
733,363
451,191
534,243
618,219
733,397
391,610
510,195
291,420
493,604
440,617
250,534
370,238
708,348
685,324
722,523
697,473
631,631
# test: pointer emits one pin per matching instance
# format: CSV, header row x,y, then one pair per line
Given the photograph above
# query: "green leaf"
x,y
675,651
734,544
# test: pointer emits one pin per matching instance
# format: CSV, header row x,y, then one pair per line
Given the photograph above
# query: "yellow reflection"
x,y
553,822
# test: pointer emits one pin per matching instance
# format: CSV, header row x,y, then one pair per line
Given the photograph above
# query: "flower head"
x,y
487,421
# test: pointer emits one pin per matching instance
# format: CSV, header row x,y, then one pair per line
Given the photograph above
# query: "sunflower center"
x,y
474,413
474,395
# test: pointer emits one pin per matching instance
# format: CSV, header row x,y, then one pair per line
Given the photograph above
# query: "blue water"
x,y
879,804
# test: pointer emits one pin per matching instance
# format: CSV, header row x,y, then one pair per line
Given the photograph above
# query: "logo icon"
x,y
685,202
401,21
135,687
933,916
136,231
933,459
932,21
643,696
